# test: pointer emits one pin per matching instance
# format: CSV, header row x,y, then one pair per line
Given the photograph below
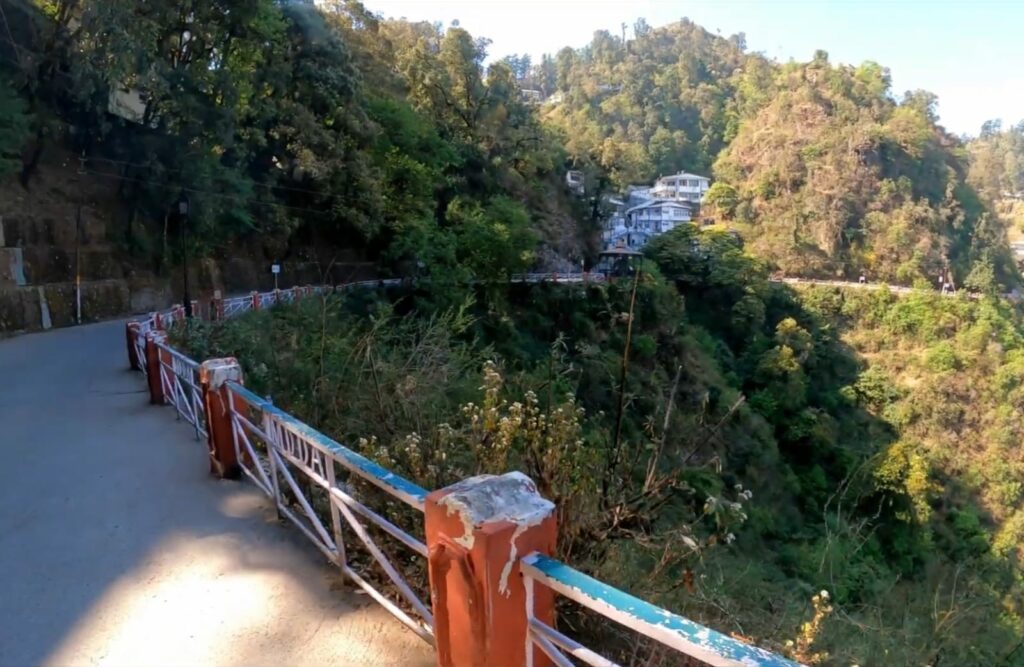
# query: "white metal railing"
x,y
680,634
237,305
180,382
139,343
286,459
593,277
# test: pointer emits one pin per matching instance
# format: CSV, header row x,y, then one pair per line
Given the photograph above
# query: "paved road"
x,y
118,548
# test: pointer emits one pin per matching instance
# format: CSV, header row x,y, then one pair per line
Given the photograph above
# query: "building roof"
x,y
651,203
684,174
617,252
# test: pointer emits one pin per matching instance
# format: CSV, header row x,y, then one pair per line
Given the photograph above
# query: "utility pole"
x,y
183,221
78,242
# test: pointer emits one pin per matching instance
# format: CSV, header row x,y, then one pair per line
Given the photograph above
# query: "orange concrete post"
x,y
477,530
217,306
132,335
255,300
154,371
214,374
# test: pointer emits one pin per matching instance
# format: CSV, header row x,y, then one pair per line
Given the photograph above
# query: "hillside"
x,y
775,443
817,165
997,172
287,127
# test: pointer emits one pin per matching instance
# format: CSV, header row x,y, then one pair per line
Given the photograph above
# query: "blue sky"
x,y
969,53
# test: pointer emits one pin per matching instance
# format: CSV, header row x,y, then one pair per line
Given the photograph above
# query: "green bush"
x,y
941,358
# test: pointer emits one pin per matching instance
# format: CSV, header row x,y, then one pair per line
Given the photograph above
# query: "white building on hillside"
x,y
681,187
635,226
574,180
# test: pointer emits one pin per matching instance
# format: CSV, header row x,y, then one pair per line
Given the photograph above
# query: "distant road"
x,y
846,284
898,289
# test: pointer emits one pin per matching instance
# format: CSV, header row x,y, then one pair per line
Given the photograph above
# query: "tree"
x,y
14,128
990,128
723,198
982,278
564,61
546,74
924,102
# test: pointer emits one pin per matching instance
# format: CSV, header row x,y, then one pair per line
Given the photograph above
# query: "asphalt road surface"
x,y
117,547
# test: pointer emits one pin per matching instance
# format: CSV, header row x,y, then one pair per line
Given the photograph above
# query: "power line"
x,y
208,193
182,170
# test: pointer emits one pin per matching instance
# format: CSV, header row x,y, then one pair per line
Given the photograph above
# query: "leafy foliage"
x,y
14,128
290,124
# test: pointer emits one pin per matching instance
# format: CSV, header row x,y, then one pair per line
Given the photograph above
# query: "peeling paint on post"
x,y
214,374
477,530
154,374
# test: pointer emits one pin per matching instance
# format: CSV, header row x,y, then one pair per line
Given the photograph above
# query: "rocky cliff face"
x,y
44,245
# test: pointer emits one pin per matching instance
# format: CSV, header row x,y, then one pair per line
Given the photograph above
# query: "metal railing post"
x,y
477,530
214,374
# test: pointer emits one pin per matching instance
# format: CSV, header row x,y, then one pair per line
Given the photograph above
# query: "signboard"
x,y
275,269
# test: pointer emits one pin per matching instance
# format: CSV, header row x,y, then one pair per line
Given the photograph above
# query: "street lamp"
x,y
183,221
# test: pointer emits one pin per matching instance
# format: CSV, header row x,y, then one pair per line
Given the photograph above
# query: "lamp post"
x,y
183,221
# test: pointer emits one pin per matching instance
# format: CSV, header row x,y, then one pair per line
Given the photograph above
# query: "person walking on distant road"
x,y
863,280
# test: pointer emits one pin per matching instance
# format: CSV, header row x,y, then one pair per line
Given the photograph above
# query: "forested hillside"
x,y
282,122
400,140
817,165
997,171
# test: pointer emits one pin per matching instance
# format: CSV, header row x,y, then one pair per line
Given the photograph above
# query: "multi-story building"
x,y
681,187
647,211
633,227
574,180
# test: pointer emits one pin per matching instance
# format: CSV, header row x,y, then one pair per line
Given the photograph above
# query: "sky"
x,y
970,53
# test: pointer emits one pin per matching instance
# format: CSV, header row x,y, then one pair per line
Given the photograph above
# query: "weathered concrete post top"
x,y
477,529
214,374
